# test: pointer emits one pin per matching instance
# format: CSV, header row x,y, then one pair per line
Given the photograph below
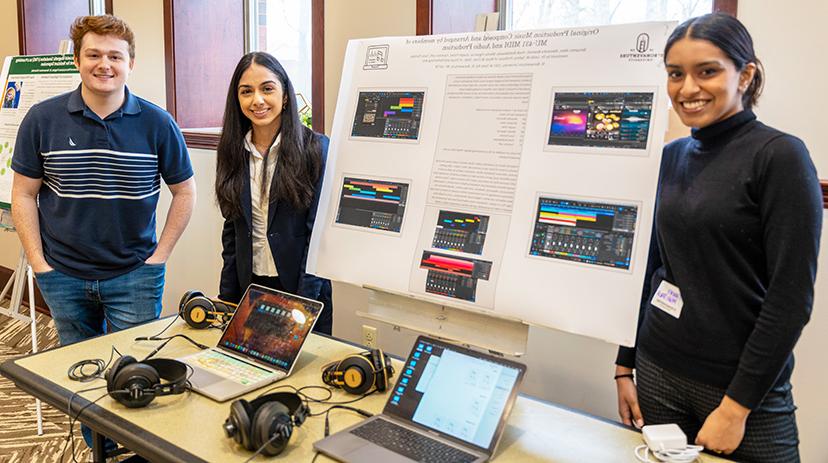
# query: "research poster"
x,y
508,172
28,80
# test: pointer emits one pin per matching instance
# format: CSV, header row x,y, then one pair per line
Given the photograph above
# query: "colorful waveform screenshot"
x,y
375,204
601,119
458,231
393,115
454,276
581,231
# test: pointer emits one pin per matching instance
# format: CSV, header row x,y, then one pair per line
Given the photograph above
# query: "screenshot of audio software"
x,y
394,115
458,231
587,232
601,119
374,204
454,276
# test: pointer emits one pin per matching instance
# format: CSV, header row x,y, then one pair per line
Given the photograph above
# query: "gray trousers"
x,y
770,433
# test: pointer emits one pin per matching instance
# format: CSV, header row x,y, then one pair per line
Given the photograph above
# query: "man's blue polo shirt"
x,y
101,180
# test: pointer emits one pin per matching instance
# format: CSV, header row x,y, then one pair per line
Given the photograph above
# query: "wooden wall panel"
x,y
725,6
318,65
424,17
42,24
204,41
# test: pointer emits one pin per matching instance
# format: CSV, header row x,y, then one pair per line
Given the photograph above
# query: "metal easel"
x,y
17,283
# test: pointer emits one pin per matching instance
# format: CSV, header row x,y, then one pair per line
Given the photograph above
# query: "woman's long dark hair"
x,y
732,38
299,158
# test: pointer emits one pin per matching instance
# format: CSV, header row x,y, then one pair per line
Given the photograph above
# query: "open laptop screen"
x,y
461,393
270,326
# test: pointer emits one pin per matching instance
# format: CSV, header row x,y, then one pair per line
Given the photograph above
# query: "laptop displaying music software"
x,y
450,404
259,346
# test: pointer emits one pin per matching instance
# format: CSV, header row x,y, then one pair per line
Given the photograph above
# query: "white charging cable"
x,y
688,454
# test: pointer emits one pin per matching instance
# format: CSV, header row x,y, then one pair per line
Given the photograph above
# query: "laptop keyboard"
x,y
230,368
410,444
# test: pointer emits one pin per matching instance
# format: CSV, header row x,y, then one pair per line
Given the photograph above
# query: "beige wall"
x,y
785,34
146,18
196,261
359,19
9,46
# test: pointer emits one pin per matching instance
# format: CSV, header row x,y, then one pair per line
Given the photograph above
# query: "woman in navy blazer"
x,y
269,174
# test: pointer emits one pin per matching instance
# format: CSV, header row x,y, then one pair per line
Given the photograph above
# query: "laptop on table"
x,y
450,404
259,346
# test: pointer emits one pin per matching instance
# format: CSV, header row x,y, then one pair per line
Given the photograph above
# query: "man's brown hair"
x,y
101,25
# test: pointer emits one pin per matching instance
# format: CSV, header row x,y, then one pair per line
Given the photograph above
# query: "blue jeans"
x,y
82,309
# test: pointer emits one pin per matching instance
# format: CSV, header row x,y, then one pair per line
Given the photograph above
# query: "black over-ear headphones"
x,y
357,373
271,416
135,384
199,311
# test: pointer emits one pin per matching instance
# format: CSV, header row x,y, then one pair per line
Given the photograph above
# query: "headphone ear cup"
x,y
357,377
272,421
186,298
139,379
380,379
389,368
240,415
196,312
224,312
110,375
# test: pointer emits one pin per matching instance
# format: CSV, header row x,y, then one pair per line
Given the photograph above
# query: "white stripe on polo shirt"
x,y
116,153
101,174
108,195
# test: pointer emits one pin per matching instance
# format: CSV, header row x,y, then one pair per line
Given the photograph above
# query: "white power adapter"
x,y
667,443
660,437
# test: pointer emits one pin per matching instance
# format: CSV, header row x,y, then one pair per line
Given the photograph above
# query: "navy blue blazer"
x,y
288,233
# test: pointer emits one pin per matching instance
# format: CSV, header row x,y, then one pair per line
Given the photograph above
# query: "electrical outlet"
x,y
369,336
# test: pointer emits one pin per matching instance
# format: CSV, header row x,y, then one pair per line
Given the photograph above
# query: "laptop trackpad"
x,y
372,453
202,379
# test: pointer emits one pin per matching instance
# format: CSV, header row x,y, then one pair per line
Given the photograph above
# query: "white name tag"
x,y
668,298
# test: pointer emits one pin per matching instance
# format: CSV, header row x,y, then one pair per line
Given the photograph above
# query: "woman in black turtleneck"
x,y
736,234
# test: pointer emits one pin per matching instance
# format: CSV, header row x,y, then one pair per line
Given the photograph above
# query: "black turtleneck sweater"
x,y
737,227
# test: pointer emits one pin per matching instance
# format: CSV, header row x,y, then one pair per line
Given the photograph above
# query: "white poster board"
x,y
513,172
28,80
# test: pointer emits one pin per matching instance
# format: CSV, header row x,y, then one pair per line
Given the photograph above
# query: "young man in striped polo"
x,y
88,167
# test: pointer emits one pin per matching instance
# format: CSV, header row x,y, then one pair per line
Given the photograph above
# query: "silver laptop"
x,y
450,404
259,346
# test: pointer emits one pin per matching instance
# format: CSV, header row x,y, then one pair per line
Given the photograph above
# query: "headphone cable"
x,y
70,435
167,341
152,338
307,398
76,372
343,407
261,449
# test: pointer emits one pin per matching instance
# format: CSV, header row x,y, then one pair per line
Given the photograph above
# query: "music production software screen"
x,y
375,204
601,119
393,115
271,327
454,393
454,276
457,231
581,231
